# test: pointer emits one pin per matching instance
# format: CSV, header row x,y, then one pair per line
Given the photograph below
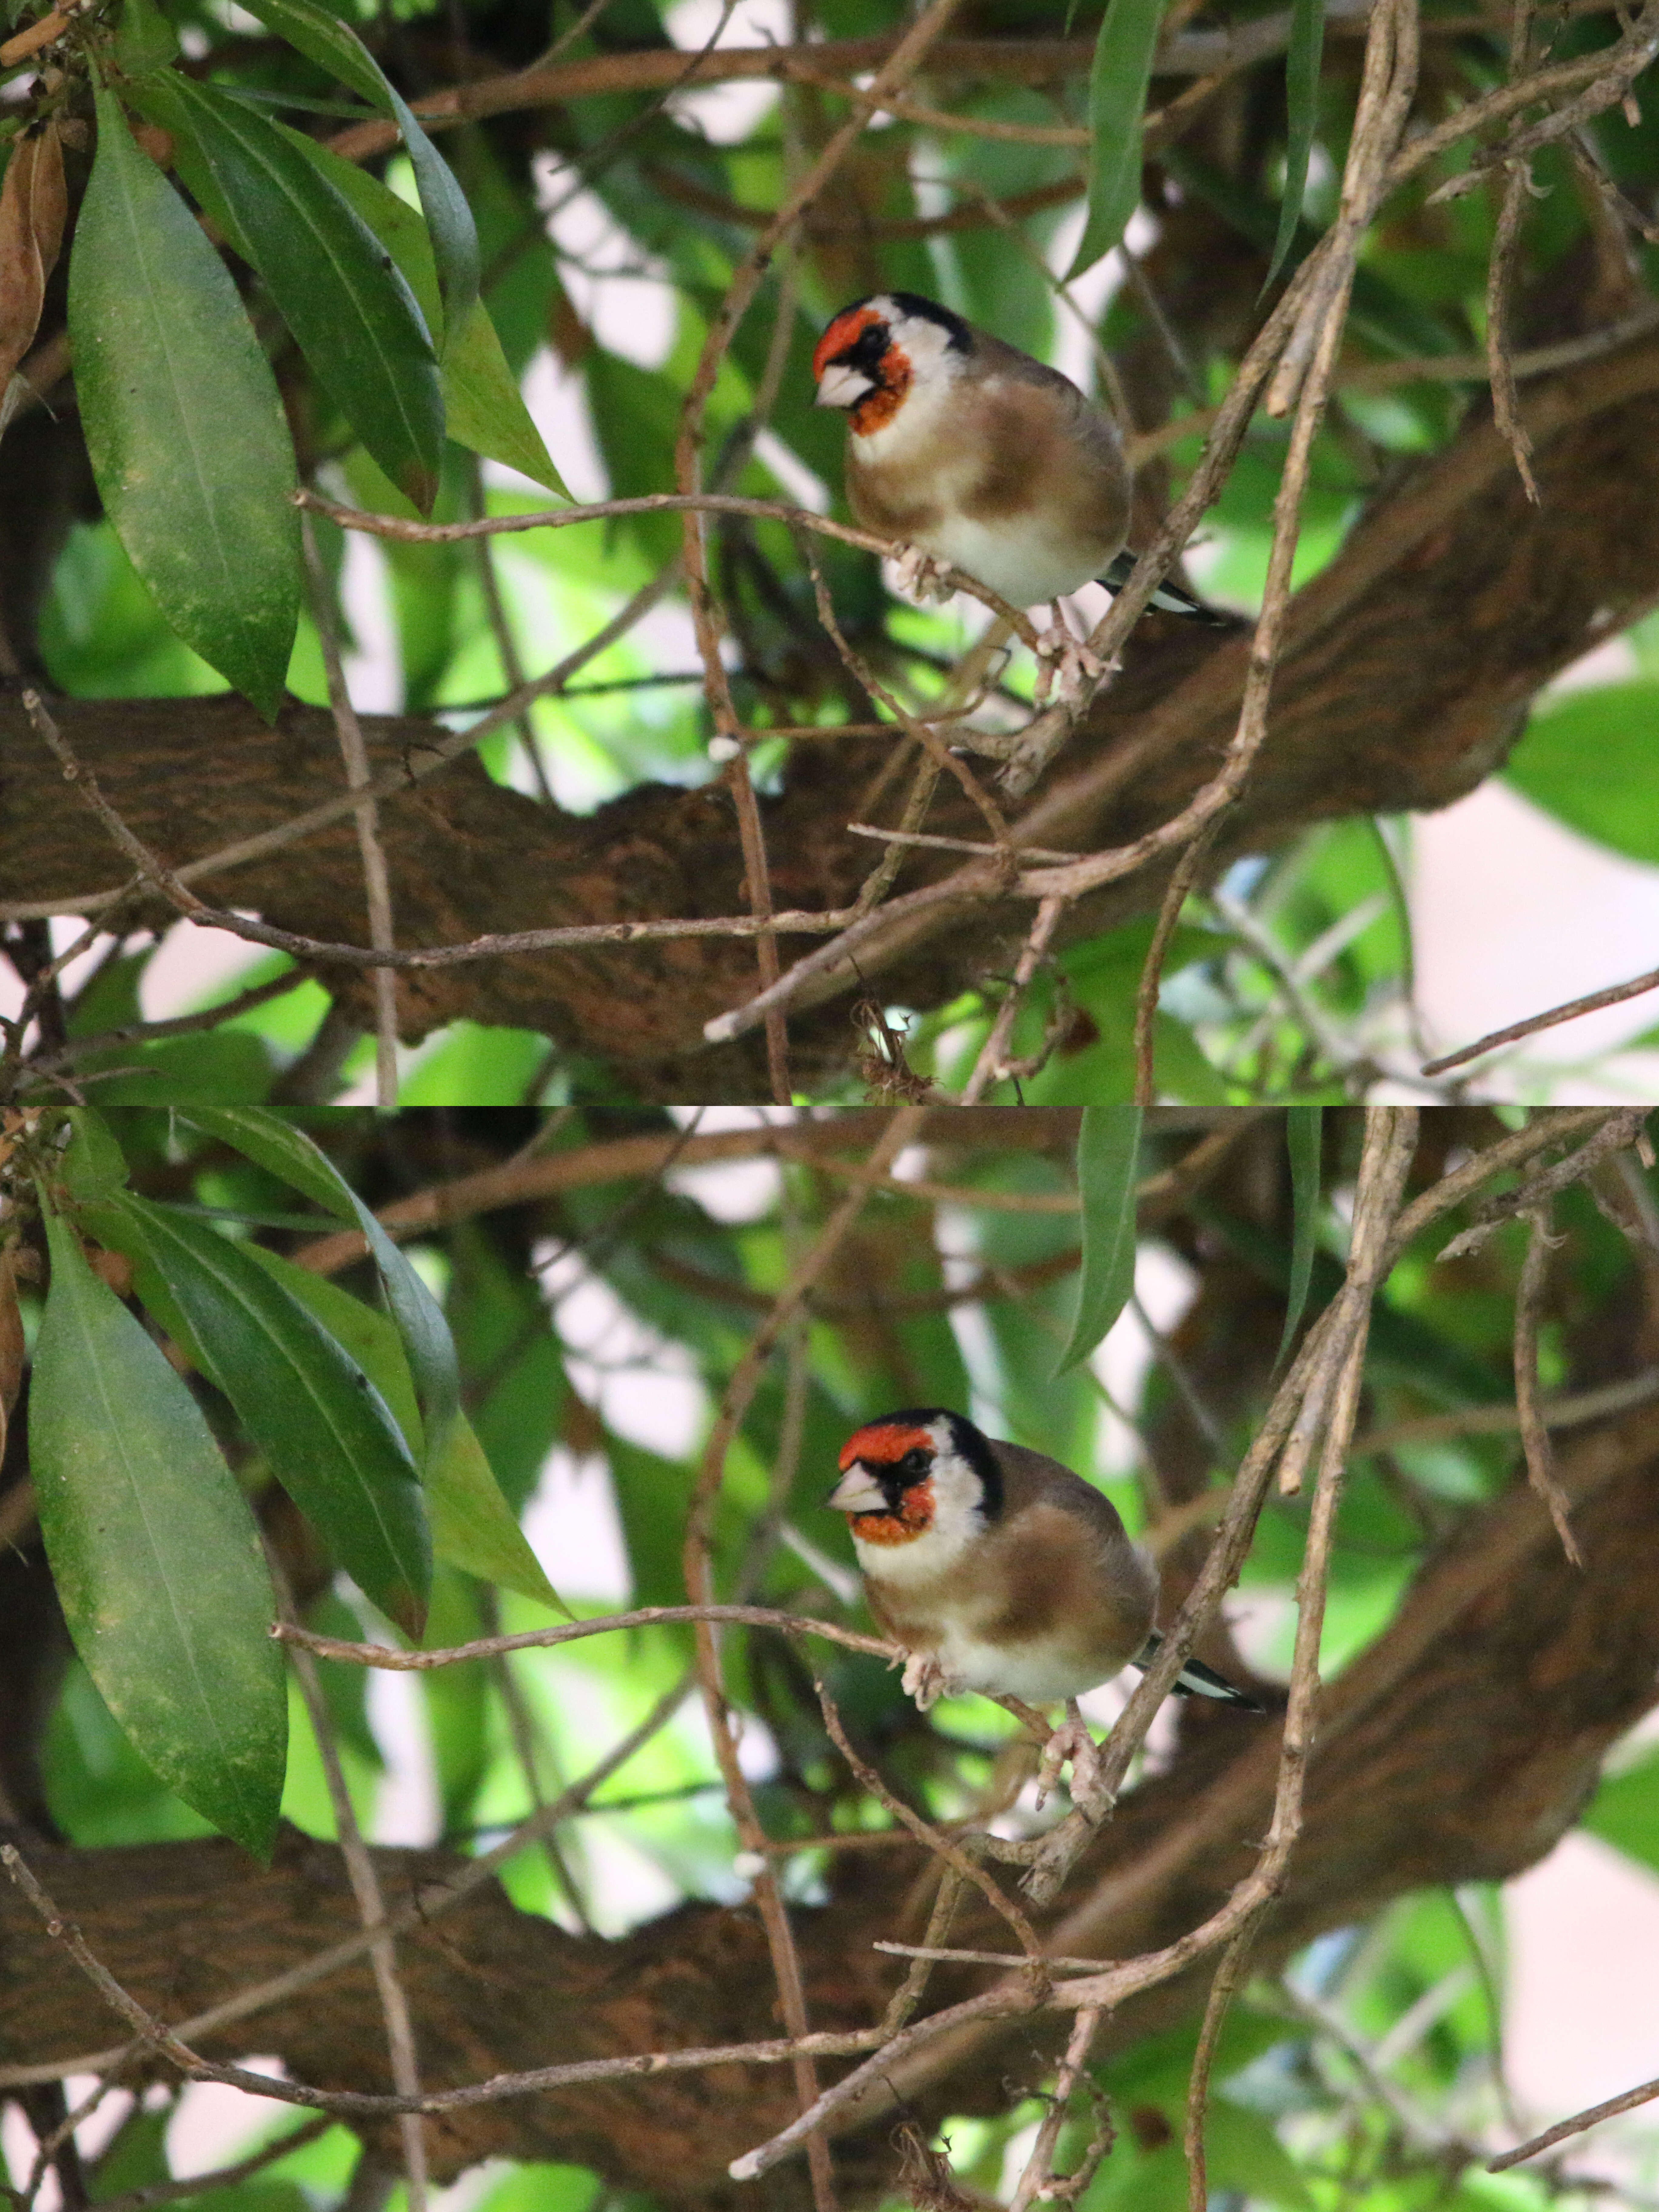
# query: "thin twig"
x,y
521,1727
531,1639
1534,1436
1038,2178
989,1067
901,2005
1575,2126
1501,1420
1184,876
656,502
1505,245
939,1844
501,625
1613,995
924,733
1615,1132
1065,1962
371,1904
1235,1964
377,879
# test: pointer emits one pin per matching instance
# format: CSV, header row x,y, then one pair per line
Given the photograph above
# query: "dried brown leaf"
x,y
924,2180
33,208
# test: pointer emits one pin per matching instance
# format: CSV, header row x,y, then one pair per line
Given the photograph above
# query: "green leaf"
x,y
1121,71
93,1166
1302,62
144,39
1108,1158
334,45
289,1155
1304,1126
368,1336
486,411
155,1555
1592,760
1624,1812
483,408
186,435
329,1437
351,313
473,1525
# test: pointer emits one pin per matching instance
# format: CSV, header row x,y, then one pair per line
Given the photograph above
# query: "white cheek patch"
x,y
920,418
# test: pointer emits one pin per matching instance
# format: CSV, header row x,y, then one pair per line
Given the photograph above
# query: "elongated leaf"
x,y
1304,1127
472,1524
91,1166
186,435
1107,1157
1302,62
340,292
334,45
1118,79
289,1154
156,1556
484,410
329,1437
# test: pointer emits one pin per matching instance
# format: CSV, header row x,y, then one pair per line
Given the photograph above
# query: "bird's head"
x,y
913,1471
875,352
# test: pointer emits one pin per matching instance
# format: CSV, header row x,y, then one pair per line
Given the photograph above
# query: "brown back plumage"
x,y
1055,1568
1042,448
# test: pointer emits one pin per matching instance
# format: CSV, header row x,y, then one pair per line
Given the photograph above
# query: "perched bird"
x,y
997,1569
982,456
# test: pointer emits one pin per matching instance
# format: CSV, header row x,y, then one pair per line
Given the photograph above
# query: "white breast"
x,y
1016,556
1040,1673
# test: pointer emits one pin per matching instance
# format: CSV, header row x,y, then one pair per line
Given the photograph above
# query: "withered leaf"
x,y
33,208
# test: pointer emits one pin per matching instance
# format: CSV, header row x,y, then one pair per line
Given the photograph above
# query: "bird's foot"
x,y
1064,665
922,577
926,1681
1071,1740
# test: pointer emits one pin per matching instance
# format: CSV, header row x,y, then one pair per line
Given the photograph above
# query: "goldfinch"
x,y
997,1569
980,456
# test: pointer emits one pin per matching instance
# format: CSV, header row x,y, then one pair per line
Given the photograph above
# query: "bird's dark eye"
x,y
867,349
914,1464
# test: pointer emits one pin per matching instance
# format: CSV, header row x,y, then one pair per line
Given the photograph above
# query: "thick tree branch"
x,y
1407,666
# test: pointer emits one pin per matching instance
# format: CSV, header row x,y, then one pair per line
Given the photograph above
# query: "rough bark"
x,y
1459,1747
1408,666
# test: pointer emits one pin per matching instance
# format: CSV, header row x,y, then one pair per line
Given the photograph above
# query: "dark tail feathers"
x,y
1169,599
1195,1680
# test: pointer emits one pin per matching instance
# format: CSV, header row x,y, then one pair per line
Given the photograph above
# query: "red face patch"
x,y
879,406
883,1444
842,333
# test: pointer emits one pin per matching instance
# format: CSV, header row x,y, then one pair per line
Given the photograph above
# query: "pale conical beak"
x,y
843,386
858,1491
